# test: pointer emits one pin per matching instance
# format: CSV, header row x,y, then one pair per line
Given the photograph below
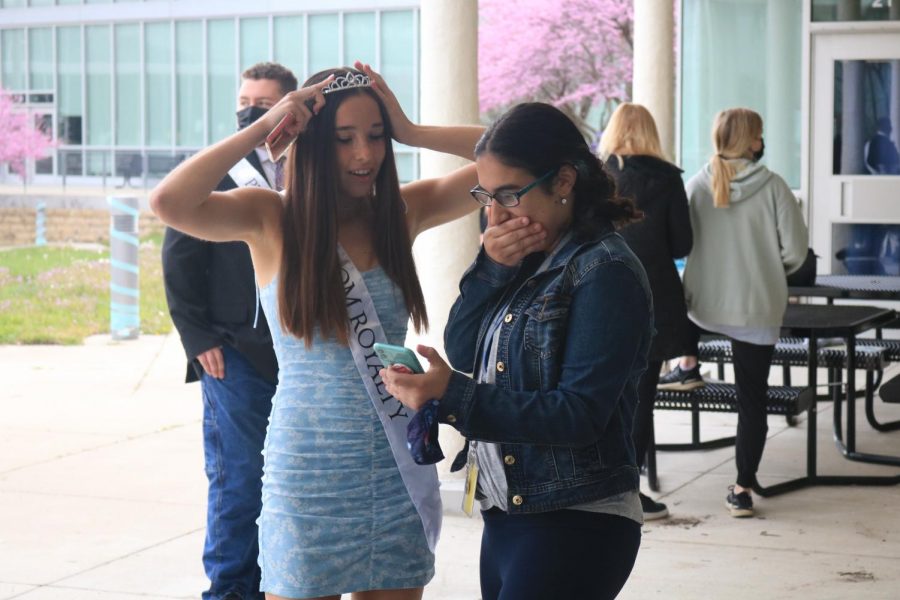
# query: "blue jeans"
x,y
235,414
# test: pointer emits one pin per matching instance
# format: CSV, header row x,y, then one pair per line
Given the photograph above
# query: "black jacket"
x,y
211,292
664,235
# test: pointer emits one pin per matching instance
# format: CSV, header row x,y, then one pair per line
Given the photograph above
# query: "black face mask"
x,y
249,115
762,149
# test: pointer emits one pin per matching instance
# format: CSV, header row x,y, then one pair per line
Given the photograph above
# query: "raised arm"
x,y
435,201
186,199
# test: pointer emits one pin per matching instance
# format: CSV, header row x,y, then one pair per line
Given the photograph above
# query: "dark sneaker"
x,y
740,505
680,380
652,509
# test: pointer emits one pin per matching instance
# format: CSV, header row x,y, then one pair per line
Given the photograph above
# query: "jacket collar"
x,y
576,243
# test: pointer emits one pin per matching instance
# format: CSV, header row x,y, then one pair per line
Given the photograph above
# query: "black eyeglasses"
x,y
507,198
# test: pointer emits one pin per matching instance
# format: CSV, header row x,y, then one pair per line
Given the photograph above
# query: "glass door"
x,y
41,169
855,163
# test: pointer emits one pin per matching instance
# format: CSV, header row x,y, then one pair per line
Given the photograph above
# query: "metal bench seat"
x,y
718,397
872,355
795,353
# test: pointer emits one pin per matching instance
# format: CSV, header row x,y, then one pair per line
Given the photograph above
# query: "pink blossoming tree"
x,y
19,138
574,54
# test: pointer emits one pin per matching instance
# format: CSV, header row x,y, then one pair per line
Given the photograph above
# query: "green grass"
x,y
60,295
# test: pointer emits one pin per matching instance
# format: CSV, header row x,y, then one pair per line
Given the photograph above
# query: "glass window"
x,y
13,49
99,82
129,164
68,102
189,83
851,10
128,85
254,41
866,116
223,79
99,163
742,53
289,47
397,66
64,2
866,249
71,161
40,59
324,49
41,3
158,83
359,38
43,122
13,3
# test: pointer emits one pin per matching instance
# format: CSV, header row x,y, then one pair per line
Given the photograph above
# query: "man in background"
x,y
211,291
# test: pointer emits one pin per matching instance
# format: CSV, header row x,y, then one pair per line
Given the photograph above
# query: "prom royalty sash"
x,y
244,175
365,329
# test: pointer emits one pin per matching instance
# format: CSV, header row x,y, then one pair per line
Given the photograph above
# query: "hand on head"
x,y
302,105
508,239
400,123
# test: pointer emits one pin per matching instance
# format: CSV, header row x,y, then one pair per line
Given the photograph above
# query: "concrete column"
x,y
449,96
654,65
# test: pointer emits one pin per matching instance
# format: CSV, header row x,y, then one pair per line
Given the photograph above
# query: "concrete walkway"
x,y
102,496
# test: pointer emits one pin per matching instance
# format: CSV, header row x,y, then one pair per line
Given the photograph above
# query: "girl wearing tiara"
x,y
345,508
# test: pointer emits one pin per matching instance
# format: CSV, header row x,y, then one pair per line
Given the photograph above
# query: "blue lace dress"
x,y
336,516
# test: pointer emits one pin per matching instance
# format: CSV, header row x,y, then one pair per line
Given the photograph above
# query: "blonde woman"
x,y
630,146
748,235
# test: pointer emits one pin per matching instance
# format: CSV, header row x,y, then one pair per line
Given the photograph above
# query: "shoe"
x,y
652,509
680,380
740,505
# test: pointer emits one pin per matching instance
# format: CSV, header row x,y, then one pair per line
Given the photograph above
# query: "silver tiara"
x,y
346,82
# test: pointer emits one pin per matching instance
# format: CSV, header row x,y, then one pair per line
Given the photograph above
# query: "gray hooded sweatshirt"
x,y
735,275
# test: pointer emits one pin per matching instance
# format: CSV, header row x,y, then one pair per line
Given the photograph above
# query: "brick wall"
x,y
17,226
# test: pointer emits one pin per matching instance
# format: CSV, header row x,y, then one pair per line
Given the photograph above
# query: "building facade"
x,y
825,76
130,88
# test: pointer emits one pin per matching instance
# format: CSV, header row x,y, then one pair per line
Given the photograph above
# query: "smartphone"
x,y
278,142
398,355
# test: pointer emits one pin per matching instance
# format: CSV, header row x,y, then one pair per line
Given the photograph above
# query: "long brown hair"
x,y
310,290
734,130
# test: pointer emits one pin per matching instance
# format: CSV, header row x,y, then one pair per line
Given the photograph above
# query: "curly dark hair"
x,y
274,71
538,138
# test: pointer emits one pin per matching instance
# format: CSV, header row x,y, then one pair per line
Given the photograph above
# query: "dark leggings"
x,y
558,554
643,413
751,378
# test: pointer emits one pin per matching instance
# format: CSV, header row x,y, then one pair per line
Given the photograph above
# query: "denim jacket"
x,y
571,349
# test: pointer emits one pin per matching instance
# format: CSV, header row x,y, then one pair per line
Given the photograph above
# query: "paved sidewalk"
x,y
102,496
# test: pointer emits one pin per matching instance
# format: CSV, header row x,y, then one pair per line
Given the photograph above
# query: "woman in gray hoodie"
x,y
749,235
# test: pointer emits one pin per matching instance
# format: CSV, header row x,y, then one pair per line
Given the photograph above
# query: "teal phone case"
x,y
399,355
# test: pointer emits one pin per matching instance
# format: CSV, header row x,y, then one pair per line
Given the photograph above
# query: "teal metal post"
x,y
124,313
40,224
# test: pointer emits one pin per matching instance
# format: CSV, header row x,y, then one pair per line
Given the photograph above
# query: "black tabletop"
x,y
862,287
825,320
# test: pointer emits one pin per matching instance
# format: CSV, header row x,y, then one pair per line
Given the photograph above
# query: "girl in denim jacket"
x,y
554,321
